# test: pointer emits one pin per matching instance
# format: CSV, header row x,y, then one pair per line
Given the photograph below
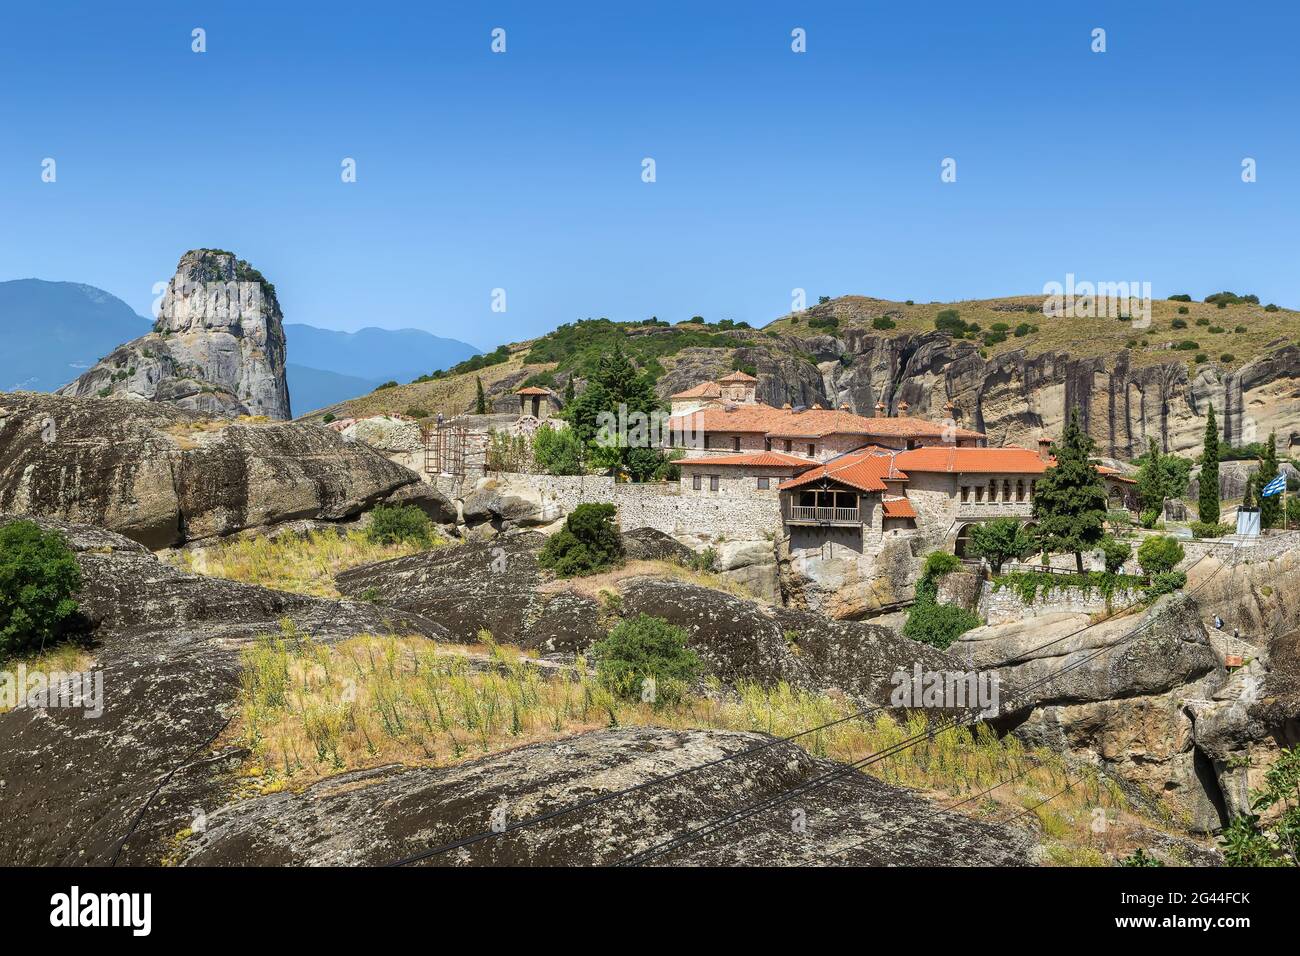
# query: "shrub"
x,y
1023,329
1201,358
1216,330
38,577
1182,310
1247,842
1180,297
396,524
587,543
1149,518
827,323
557,451
1202,321
1178,324
1187,345
938,624
1227,358
1159,554
1240,329
646,647
939,563
1270,307
414,412
1115,552
390,384
883,322
1209,529
329,417
948,320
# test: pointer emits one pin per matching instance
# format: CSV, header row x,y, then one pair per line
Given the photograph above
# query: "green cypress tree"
x,y
568,391
1270,508
1070,497
480,402
1208,490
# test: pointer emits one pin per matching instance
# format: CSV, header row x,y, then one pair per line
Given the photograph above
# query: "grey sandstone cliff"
x,y
218,345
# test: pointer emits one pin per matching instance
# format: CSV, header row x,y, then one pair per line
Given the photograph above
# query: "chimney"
x,y
951,409
786,406
902,408
817,407
1044,448
844,406
880,409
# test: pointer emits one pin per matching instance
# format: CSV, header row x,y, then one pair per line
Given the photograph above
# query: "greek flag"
x,y
1274,487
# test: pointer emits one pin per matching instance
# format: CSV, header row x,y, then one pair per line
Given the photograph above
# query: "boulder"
x,y
164,476
217,347
852,819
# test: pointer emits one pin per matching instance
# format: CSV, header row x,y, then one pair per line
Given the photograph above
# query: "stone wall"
x,y
659,505
1243,551
1004,605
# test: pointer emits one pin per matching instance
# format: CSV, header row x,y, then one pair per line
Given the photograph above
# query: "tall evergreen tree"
x,y
1070,497
619,396
1270,508
1208,490
1160,478
480,402
568,391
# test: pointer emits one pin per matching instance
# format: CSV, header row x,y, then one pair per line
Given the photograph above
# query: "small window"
x,y
1020,490
713,482
789,446
979,492
965,492
812,450
767,444
695,482
735,443
707,442
762,484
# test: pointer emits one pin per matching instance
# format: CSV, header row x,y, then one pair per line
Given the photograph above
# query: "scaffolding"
x,y
444,450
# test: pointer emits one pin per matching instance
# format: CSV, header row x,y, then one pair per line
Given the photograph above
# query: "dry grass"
x,y
305,565
308,711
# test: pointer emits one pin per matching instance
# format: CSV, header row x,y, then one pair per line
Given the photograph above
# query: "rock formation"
x,y
164,476
217,347
1015,397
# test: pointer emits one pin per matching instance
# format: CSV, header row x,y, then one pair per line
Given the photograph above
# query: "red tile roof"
x,y
864,470
810,423
1109,472
533,390
972,461
757,459
898,508
703,390
737,376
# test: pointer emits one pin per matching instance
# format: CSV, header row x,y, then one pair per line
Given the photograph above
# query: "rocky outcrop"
x,y
164,476
1015,397
217,347
842,585
166,646
498,586
852,819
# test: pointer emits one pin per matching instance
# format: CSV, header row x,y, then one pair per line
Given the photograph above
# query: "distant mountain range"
x,y
53,331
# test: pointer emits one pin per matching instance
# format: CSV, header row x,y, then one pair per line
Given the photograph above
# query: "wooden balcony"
x,y
805,514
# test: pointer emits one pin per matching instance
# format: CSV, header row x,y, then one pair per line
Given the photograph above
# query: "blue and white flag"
x,y
1274,487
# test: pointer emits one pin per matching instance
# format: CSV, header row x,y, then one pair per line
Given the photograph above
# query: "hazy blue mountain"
x,y
313,388
53,331
381,354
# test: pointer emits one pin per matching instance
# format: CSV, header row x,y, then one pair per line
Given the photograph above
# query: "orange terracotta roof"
x,y
810,423
533,390
757,459
1109,472
898,508
703,390
864,470
737,376
972,461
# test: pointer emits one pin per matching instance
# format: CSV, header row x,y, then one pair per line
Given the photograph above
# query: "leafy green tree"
x,y
1248,496
646,647
568,391
589,542
38,577
1000,540
480,400
928,621
1159,554
557,451
1070,498
1270,508
1160,478
1208,482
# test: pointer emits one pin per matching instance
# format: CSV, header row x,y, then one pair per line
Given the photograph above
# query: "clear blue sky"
x,y
775,170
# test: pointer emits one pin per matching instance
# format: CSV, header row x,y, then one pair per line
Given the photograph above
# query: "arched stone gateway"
x,y
961,546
